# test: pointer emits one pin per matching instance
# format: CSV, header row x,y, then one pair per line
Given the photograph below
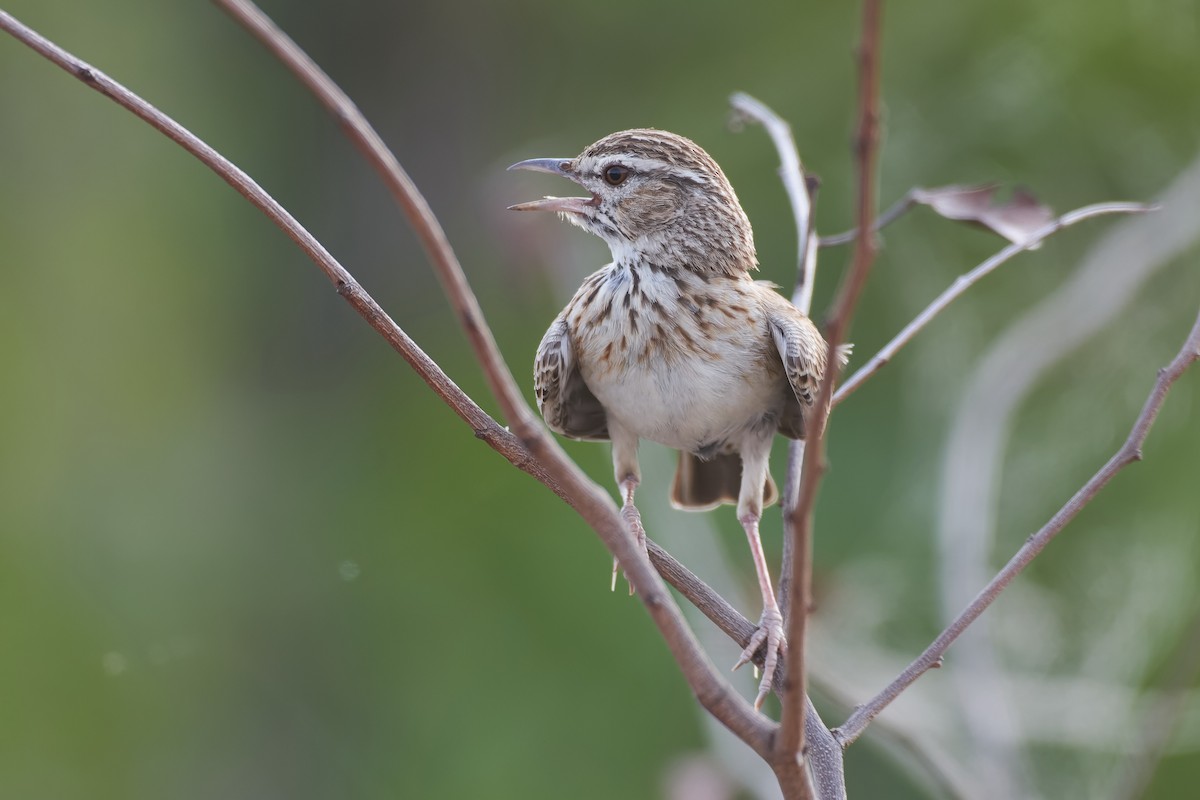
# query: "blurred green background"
x,y
245,553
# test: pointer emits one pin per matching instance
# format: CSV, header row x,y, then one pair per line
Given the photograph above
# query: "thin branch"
x,y
792,727
484,426
791,172
964,282
714,693
535,453
894,212
1129,452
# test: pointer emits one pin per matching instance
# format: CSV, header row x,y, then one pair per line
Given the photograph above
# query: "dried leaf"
x,y
1016,220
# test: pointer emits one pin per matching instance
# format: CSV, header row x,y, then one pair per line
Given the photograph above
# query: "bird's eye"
x,y
616,175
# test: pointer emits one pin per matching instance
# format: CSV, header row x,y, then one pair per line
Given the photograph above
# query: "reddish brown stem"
x,y
790,743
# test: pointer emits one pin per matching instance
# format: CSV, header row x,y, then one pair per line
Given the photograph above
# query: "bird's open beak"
x,y
555,166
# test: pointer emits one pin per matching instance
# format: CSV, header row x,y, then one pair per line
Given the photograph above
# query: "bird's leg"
x,y
770,625
634,520
628,474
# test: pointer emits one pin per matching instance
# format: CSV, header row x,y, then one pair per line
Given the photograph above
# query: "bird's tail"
x,y
702,485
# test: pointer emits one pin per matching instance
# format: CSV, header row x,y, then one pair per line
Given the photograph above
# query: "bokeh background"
x,y
245,553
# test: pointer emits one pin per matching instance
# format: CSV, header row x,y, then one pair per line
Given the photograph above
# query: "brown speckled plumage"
x,y
674,341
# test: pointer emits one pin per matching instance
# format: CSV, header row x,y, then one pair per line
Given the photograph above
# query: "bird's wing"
x,y
802,352
566,403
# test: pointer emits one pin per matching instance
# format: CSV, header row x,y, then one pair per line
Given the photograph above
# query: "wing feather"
x,y
564,400
802,352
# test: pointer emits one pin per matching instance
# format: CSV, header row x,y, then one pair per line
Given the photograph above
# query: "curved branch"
x,y
791,172
533,452
433,238
1129,452
484,426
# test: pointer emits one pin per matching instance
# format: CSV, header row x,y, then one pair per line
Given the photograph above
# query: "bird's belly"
x,y
690,403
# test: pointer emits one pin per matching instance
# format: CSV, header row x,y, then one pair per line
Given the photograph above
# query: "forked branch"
x,y
893,213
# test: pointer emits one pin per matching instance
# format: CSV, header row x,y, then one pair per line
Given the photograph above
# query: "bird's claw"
x,y
770,633
633,519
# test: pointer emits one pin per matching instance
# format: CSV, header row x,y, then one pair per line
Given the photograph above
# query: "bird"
x,y
675,342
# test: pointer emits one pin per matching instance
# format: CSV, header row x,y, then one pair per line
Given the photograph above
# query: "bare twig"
x,y
592,503
547,463
1129,452
966,281
597,508
791,172
500,380
894,212
1116,266
791,735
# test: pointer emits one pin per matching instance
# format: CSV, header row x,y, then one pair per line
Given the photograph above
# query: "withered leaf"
x,y
1016,220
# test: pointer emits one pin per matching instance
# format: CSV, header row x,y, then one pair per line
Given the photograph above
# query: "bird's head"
x,y
653,197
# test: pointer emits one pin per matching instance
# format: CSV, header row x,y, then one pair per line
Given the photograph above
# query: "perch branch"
x,y
967,280
792,728
588,499
1129,452
824,752
555,471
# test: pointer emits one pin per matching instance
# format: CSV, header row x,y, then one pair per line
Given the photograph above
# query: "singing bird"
x,y
674,341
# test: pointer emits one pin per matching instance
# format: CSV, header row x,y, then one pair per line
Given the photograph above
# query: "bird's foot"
x,y
770,635
634,520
